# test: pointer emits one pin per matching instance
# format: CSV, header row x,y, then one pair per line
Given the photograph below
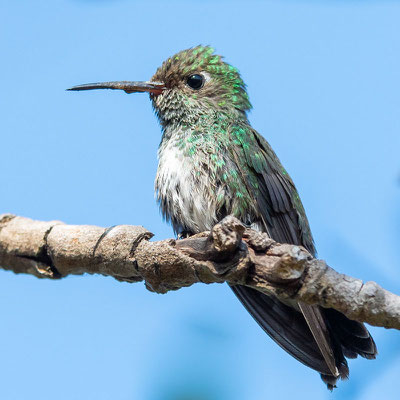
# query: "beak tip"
x,y
72,89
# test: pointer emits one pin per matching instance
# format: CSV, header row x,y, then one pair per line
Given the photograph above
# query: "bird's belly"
x,y
189,196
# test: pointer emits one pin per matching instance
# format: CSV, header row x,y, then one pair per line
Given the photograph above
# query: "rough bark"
x,y
229,253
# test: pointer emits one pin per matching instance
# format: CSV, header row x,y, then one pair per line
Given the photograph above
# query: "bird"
x,y
211,164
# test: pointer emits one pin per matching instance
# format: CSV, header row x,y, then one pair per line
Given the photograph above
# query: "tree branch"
x,y
229,253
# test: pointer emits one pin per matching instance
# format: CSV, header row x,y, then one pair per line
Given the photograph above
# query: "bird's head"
x,y
191,83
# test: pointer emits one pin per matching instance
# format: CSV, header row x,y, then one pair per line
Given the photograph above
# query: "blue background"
x,y
324,80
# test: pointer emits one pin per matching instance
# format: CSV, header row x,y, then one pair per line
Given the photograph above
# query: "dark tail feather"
x,y
353,336
350,339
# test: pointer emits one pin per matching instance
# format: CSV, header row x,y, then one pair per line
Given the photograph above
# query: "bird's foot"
x,y
184,235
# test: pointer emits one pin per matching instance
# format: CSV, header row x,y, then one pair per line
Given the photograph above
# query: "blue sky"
x,y
324,80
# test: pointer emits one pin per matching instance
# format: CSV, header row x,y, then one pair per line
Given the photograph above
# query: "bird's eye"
x,y
195,81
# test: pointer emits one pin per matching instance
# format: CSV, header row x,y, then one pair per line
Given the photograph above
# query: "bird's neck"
x,y
177,113
202,125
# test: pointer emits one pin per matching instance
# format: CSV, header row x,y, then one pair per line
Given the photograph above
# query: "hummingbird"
x,y
212,163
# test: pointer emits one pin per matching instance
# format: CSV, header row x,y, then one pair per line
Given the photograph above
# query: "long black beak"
x,y
127,86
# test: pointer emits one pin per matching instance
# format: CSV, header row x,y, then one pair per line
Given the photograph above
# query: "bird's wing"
x,y
278,202
284,219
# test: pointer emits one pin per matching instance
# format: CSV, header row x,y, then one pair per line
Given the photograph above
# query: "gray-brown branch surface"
x,y
229,253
